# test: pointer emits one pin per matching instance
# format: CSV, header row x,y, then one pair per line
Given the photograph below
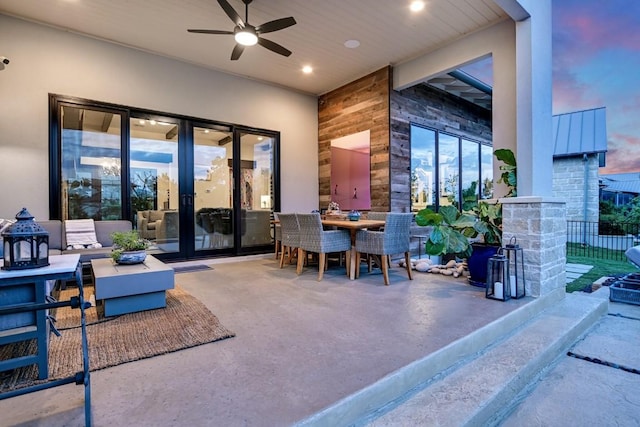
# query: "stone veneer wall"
x,y
569,186
358,106
430,107
540,227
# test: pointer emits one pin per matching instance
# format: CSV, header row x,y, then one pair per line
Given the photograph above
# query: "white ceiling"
x,y
388,31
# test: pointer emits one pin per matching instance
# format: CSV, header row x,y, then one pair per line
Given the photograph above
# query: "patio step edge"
x,y
486,388
391,390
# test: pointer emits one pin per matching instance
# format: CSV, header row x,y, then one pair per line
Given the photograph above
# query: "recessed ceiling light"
x,y
416,6
153,122
307,69
352,44
141,121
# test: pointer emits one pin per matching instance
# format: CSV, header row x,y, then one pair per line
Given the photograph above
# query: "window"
x,y
464,172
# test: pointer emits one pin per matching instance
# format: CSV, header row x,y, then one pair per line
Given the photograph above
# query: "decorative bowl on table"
x,y
354,215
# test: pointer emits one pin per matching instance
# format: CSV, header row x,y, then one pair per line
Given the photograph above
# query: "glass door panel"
x,y
470,170
153,180
90,170
448,162
256,189
213,189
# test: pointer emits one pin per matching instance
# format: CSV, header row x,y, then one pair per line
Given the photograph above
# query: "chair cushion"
x,y
155,216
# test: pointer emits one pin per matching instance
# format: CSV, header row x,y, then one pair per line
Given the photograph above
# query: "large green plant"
x,y
487,224
446,236
509,175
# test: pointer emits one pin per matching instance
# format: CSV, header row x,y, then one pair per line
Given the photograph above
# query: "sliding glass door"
x,y
191,187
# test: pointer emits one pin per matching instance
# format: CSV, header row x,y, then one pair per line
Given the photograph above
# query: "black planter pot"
x,y
477,263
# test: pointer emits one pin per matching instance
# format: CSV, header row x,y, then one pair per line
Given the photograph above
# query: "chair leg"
x,y
407,261
282,255
385,269
347,257
302,254
321,264
277,248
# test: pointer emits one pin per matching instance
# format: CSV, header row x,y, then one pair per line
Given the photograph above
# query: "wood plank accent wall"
x,y
431,107
358,106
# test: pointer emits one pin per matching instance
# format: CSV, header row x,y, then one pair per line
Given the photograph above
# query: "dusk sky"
x,y
596,63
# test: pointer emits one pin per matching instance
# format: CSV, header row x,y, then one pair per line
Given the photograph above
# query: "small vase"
x,y
353,215
132,257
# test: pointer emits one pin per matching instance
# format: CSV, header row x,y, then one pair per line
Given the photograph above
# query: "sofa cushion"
x,y
105,228
54,228
81,233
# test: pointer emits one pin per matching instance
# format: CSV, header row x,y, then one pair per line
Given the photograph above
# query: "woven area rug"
x,y
184,323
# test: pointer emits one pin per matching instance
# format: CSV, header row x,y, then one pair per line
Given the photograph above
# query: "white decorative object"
x,y
497,290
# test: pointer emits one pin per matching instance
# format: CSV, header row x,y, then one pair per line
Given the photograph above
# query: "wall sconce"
x,y
515,255
498,284
26,243
265,201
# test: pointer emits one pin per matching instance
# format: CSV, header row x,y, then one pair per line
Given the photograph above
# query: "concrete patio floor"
x,y
300,346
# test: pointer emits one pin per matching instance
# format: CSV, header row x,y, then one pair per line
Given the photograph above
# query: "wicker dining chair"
x,y
394,239
290,237
378,216
313,238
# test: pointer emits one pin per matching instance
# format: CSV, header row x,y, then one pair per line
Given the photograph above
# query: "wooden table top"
x,y
354,225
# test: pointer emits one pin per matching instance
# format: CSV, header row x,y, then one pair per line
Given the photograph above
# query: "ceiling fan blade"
x,y
231,12
237,51
273,46
278,24
210,31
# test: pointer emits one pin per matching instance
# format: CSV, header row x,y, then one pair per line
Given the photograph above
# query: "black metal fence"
x,y
604,240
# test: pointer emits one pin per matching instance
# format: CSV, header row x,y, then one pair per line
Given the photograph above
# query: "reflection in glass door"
x,y
90,152
213,189
153,182
256,189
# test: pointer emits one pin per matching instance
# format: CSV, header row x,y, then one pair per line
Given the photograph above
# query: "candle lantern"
x,y
515,256
26,243
498,277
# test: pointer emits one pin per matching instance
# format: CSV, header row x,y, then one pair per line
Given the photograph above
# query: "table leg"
x,y
352,263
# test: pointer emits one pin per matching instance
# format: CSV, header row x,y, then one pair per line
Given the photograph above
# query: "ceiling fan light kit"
x,y
246,34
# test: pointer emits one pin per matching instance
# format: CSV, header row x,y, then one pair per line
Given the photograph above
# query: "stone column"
x,y
540,227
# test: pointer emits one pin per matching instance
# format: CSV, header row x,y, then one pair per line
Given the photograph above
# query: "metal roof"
x,y
580,132
621,182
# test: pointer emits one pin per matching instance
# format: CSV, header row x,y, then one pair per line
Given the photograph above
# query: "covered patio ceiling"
x,y
388,33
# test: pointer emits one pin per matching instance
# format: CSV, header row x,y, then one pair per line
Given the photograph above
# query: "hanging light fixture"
x,y
246,36
26,243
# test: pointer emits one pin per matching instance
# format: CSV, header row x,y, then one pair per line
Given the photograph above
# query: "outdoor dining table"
x,y
353,227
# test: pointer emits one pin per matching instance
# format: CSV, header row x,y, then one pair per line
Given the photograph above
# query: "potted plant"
x,y
128,247
509,175
446,236
485,233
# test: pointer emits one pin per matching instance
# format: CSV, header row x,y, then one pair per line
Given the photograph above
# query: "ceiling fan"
x,y
246,34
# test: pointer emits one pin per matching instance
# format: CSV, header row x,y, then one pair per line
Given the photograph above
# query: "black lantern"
x,y
515,256
498,278
26,243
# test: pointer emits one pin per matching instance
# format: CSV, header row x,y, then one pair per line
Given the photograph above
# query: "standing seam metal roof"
x,y
580,132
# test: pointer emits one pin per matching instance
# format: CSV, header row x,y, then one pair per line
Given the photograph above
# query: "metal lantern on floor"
x,y
26,243
498,277
515,256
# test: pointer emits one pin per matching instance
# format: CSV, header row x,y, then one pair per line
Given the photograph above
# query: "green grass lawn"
x,y
601,267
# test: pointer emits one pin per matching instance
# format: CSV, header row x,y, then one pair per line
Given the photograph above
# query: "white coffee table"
x,y
130,288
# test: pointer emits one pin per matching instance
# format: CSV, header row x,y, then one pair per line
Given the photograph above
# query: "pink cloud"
x,y
621,156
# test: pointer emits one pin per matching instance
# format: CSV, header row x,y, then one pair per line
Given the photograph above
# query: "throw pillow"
x,y
81,234
4,223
